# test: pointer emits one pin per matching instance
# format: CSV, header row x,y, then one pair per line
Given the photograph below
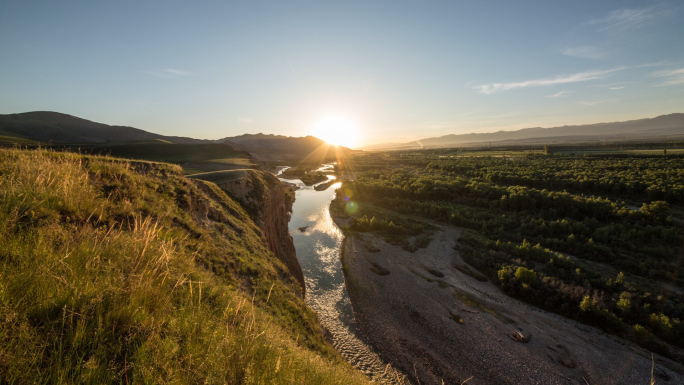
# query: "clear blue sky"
x,y
401,70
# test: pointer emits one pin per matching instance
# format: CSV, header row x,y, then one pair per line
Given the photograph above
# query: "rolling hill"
x,y
58,128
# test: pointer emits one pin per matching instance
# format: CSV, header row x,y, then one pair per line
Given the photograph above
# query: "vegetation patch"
x,y
307,176
423,276
469,272
397,230
475,302
457,318
379,270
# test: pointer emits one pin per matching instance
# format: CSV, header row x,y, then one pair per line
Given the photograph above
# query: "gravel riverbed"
x,y
438,325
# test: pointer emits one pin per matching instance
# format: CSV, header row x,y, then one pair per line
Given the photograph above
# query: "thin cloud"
x,y
177,72
169,73
624,19
595,102
616,88
591,52
670,77
245,120
558,95
145,103
562,79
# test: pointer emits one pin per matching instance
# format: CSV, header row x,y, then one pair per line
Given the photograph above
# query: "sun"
x,y
336,130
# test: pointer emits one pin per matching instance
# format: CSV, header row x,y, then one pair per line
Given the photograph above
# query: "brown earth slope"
x,y
269,203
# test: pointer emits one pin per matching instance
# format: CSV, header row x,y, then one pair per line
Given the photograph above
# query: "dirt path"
x,y
437,324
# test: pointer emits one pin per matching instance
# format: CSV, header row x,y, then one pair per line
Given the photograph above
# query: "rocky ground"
x,y
438,325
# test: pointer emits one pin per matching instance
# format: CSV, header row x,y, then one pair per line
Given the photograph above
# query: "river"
x,y
318,250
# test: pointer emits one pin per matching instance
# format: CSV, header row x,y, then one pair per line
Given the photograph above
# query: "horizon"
x,y
372,147
395,72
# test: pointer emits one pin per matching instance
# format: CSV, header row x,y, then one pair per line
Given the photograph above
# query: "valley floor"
x,y
436,324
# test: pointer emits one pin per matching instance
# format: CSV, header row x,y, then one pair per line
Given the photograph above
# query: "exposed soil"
x,y
436,324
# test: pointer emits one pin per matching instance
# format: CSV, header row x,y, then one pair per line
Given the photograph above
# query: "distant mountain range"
x,y
53,128
61,129
664,127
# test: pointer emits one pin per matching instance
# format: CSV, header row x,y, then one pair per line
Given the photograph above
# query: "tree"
x,y
658,210
527,277
588,305
625,302
641,333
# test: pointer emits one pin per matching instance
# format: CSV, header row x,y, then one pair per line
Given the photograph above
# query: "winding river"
x,y
318,243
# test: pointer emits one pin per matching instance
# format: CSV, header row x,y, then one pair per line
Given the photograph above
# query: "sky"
x,y
398,70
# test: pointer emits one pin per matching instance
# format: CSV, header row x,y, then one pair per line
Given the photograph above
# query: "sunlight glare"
x,y
336,130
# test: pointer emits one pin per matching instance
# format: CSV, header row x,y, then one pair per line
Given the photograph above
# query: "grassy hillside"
x,y
115,271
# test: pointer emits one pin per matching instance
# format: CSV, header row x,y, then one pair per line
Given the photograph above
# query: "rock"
x,y
518,336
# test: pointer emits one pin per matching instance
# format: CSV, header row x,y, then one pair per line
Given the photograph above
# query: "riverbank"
x,y
435,323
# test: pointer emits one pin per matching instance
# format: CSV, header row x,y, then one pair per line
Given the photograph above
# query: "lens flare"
x,y
351,207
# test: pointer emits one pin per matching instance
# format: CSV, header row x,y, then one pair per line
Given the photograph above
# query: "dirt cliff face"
x,y
269,203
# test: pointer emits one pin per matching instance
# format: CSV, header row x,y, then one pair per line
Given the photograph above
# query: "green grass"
x,y
14,140
115,271
379,270
468,271
194,158
219,177
423,276
457,318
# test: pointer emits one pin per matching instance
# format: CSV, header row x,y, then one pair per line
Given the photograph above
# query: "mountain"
x,y
278,147
66,130
659,128
58,128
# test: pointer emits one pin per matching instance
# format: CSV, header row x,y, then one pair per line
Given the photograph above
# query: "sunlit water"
x,y
318,251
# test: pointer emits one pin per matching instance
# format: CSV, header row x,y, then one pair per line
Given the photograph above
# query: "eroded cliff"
x,y
269,203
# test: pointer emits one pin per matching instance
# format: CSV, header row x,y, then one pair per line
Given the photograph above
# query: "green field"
x,y
13,140
219,177
194,158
